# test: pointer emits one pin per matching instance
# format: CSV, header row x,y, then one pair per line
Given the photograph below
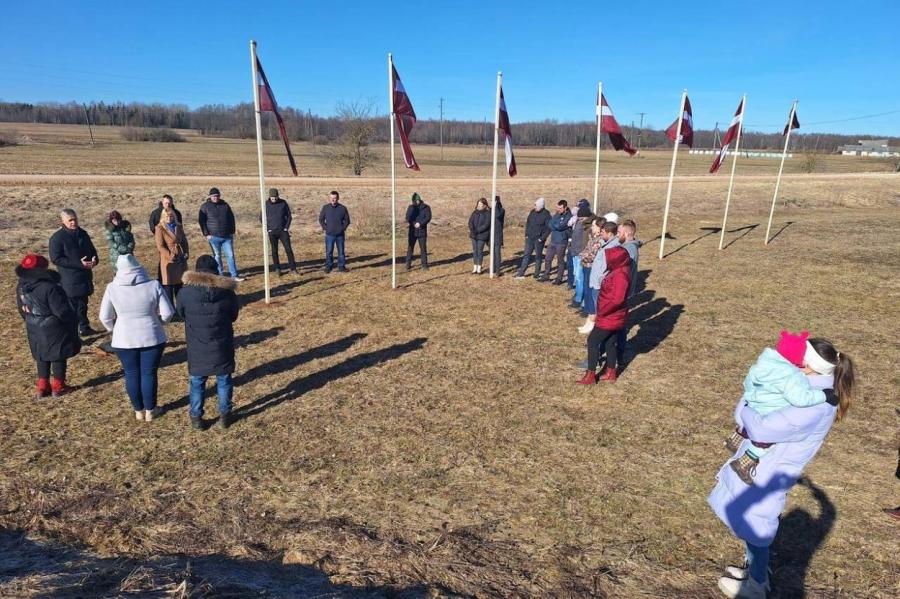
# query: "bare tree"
x,y
353,150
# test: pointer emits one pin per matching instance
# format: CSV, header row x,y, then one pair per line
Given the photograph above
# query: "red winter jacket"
x,y
612,309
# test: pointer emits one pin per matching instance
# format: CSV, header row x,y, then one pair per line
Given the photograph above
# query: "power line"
x,y
848,119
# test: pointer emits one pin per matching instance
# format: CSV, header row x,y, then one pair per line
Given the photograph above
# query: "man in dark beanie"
x,y
209,306
278,224
217,224
418,215
75,256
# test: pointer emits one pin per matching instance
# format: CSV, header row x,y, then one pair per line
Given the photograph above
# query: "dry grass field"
x,y
430,441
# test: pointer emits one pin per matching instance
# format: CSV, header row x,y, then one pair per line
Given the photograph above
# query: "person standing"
x,y
334,218
479,233
118,237
626,234
278,223
537,228
570,255
599,268
217,224
167,203
209,307
499,222
580,234
75,257
50,323
559,242
172,244
134,308
418,215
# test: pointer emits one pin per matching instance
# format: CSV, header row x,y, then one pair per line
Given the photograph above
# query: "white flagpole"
x,y
737,147
393,184
787,140
662,239
262,183
599,111
494,179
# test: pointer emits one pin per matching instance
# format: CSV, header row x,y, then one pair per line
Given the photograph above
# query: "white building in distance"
x,y
870,147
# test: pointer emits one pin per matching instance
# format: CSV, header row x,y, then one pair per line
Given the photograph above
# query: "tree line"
x,y
237,121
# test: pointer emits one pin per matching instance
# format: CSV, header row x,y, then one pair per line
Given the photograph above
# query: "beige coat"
x,y
173,252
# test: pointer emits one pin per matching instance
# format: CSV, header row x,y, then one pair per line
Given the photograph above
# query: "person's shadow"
x,y
650,320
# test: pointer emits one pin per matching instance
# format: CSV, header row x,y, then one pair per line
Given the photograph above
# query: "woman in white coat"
x,y
134,308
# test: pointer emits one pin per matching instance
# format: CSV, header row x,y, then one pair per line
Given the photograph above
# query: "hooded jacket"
x,y
559,228
537,225
50,322
209,307
134,308
156,216
480,225
612,309
774,383
120,240
67,248
599,268
633,247
419,213
216,219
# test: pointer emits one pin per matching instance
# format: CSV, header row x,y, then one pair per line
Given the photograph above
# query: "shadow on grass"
x,y
250,298
654,317
314,263
746,231
781,230
709,231
319,379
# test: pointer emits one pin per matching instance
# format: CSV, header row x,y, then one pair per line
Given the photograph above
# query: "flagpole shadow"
x,y
746,231
781,230
709,231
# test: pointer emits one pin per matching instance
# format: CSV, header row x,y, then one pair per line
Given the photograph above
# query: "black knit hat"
x,y
214,191
583,211
207,263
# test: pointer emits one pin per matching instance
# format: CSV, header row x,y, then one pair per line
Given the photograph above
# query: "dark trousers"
x,y
172,291
607,339
141,366
330,242
558,252
57,368
495,256
423,250
285,238
478,246
532,246
80,307
621,341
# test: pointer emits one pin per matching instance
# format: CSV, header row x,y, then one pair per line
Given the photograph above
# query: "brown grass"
x,y
431,439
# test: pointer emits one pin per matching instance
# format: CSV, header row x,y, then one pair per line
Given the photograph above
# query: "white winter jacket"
x,y
134,308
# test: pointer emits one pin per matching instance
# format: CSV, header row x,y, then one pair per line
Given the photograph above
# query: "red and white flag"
x,y
267,104
503,125
610,126
686,135
793,124
405,117
730,135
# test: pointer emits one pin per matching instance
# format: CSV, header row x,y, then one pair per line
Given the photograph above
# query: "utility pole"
x,y
442,129
640,132
312,133
88,119
484,135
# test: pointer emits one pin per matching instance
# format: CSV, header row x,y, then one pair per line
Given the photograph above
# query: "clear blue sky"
x,y
840,59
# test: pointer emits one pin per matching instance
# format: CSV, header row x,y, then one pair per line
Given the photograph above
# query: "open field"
x,y
431,441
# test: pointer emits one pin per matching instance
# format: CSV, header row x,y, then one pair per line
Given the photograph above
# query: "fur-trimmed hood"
x,y
208,279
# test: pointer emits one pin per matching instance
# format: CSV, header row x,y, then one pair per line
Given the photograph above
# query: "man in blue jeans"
x,y
334,218
209,307
217,224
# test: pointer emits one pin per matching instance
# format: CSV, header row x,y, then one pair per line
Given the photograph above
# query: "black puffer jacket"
x,y
209,306
499,222
50,322
418,213
67,248
480,225
216,219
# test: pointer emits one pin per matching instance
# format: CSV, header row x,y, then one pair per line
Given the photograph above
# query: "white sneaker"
x,y
587,327
743,589
139,415
478,270
149,415
239,279
736,573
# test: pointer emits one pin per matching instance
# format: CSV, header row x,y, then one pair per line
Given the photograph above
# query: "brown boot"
x,y
745,467
589,378
733,443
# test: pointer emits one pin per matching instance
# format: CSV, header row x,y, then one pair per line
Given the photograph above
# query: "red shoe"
x,y
893,513
609,375
59,387
589,378
43,389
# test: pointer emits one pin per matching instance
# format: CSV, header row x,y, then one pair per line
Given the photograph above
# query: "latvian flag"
x,y
686,135
405,117
730,135
793,124
503,125
267,104
609,126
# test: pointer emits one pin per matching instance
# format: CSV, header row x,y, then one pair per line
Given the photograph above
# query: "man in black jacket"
x,y
209,306
75,257
167,203
334,218
418,215
278,223
217,224
537,228
499,221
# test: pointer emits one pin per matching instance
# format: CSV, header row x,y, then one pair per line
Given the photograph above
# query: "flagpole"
x,y
599,110
262,183
787,140
737,147
494,177
662,239
393,183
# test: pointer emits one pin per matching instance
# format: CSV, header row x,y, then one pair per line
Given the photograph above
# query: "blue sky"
x,y
840,59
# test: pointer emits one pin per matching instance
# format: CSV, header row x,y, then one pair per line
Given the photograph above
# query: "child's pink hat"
x,y
792,347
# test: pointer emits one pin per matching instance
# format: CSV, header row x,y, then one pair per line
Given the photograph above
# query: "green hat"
x,y
273,193
416,197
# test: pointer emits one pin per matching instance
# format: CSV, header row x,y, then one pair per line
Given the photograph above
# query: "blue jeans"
x,y
757,562
330,242
224,245
578,274
224,389
570,274
140,366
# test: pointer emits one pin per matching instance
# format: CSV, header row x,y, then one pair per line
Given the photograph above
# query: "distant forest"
x,y
237,121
